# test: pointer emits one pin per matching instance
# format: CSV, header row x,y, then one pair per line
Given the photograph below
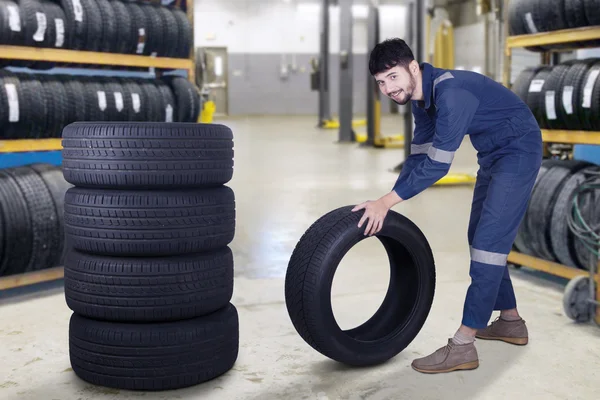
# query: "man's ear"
x,y
414,67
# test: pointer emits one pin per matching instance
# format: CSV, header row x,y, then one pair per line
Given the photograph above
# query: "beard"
x,y
408,93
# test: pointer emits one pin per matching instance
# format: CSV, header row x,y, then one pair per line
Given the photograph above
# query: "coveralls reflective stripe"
x,y
509,152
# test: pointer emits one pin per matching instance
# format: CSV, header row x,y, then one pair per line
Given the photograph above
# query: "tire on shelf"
x,y
56,184
523,81
148,289
44,221
137,101
592,12
575,14
34,109
149,223
561,237
187,97
186,34
108,42
127,42
154,356
589,204
542,203
77,21
552,100
404,310
589,99
94,25
11,34
569,110
15,115
141,155
140,27
523,238
16,220
535,95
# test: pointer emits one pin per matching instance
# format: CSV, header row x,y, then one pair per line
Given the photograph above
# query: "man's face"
x,y
397,83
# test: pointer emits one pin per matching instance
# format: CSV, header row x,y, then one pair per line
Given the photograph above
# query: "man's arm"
x,y
424,131
456,108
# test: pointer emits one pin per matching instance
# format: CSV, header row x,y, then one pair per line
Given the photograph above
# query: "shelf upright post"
x,y
189,8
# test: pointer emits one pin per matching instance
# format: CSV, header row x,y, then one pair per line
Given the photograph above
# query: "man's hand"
x,y
375,212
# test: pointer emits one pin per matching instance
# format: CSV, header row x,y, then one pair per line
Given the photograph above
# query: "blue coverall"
x,y
509,152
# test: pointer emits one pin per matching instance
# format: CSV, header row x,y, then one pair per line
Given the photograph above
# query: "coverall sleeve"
x,y
424,130
455,110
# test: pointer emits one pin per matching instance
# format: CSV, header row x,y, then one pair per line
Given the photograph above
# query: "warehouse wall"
x,y
261,36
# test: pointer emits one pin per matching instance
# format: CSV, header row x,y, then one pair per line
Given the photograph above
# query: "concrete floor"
x,y
287,174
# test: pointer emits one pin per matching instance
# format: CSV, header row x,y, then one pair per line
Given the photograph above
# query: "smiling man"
x,y
447,105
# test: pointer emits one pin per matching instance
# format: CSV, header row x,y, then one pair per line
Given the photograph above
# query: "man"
x,y
447,105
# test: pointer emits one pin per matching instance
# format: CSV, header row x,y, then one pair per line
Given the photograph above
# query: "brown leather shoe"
x,y
451,357
513,332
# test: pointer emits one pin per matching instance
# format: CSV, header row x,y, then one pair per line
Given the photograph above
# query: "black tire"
x,y
45,225
403,312
535,95
94,25
17,226
543,200
186,34
171,32
575,13
146,289
589,99
560,234
124,28
147,155
523,238
34,103
136,101
154,356
523,81
77,21
149,223
187,98
569,111
139,29
11,34
592,12
167,99
552,100
108,42
155,31
56,184
76,100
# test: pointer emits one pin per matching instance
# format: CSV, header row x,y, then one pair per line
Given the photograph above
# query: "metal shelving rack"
x,y
50,146
577,35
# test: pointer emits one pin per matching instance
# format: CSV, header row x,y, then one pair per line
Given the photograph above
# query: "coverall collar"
x,y
426,77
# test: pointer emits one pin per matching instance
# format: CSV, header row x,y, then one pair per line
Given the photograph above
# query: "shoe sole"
x,y
460,367
516,341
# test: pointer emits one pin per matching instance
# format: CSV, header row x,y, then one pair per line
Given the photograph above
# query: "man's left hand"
x,y
375,212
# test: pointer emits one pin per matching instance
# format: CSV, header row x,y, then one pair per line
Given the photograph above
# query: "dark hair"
x,y
388,54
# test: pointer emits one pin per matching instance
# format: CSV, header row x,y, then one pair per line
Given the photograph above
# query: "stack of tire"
x,y
149,270
564,96
40,106
535,16
31,218
544,232
113,26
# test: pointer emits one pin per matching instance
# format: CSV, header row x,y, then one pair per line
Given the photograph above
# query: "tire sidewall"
x,y
341,346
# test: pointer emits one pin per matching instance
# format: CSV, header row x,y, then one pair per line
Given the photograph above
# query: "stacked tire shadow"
x,y
40,106
563,96
545,232
113,26
148,269
31,218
